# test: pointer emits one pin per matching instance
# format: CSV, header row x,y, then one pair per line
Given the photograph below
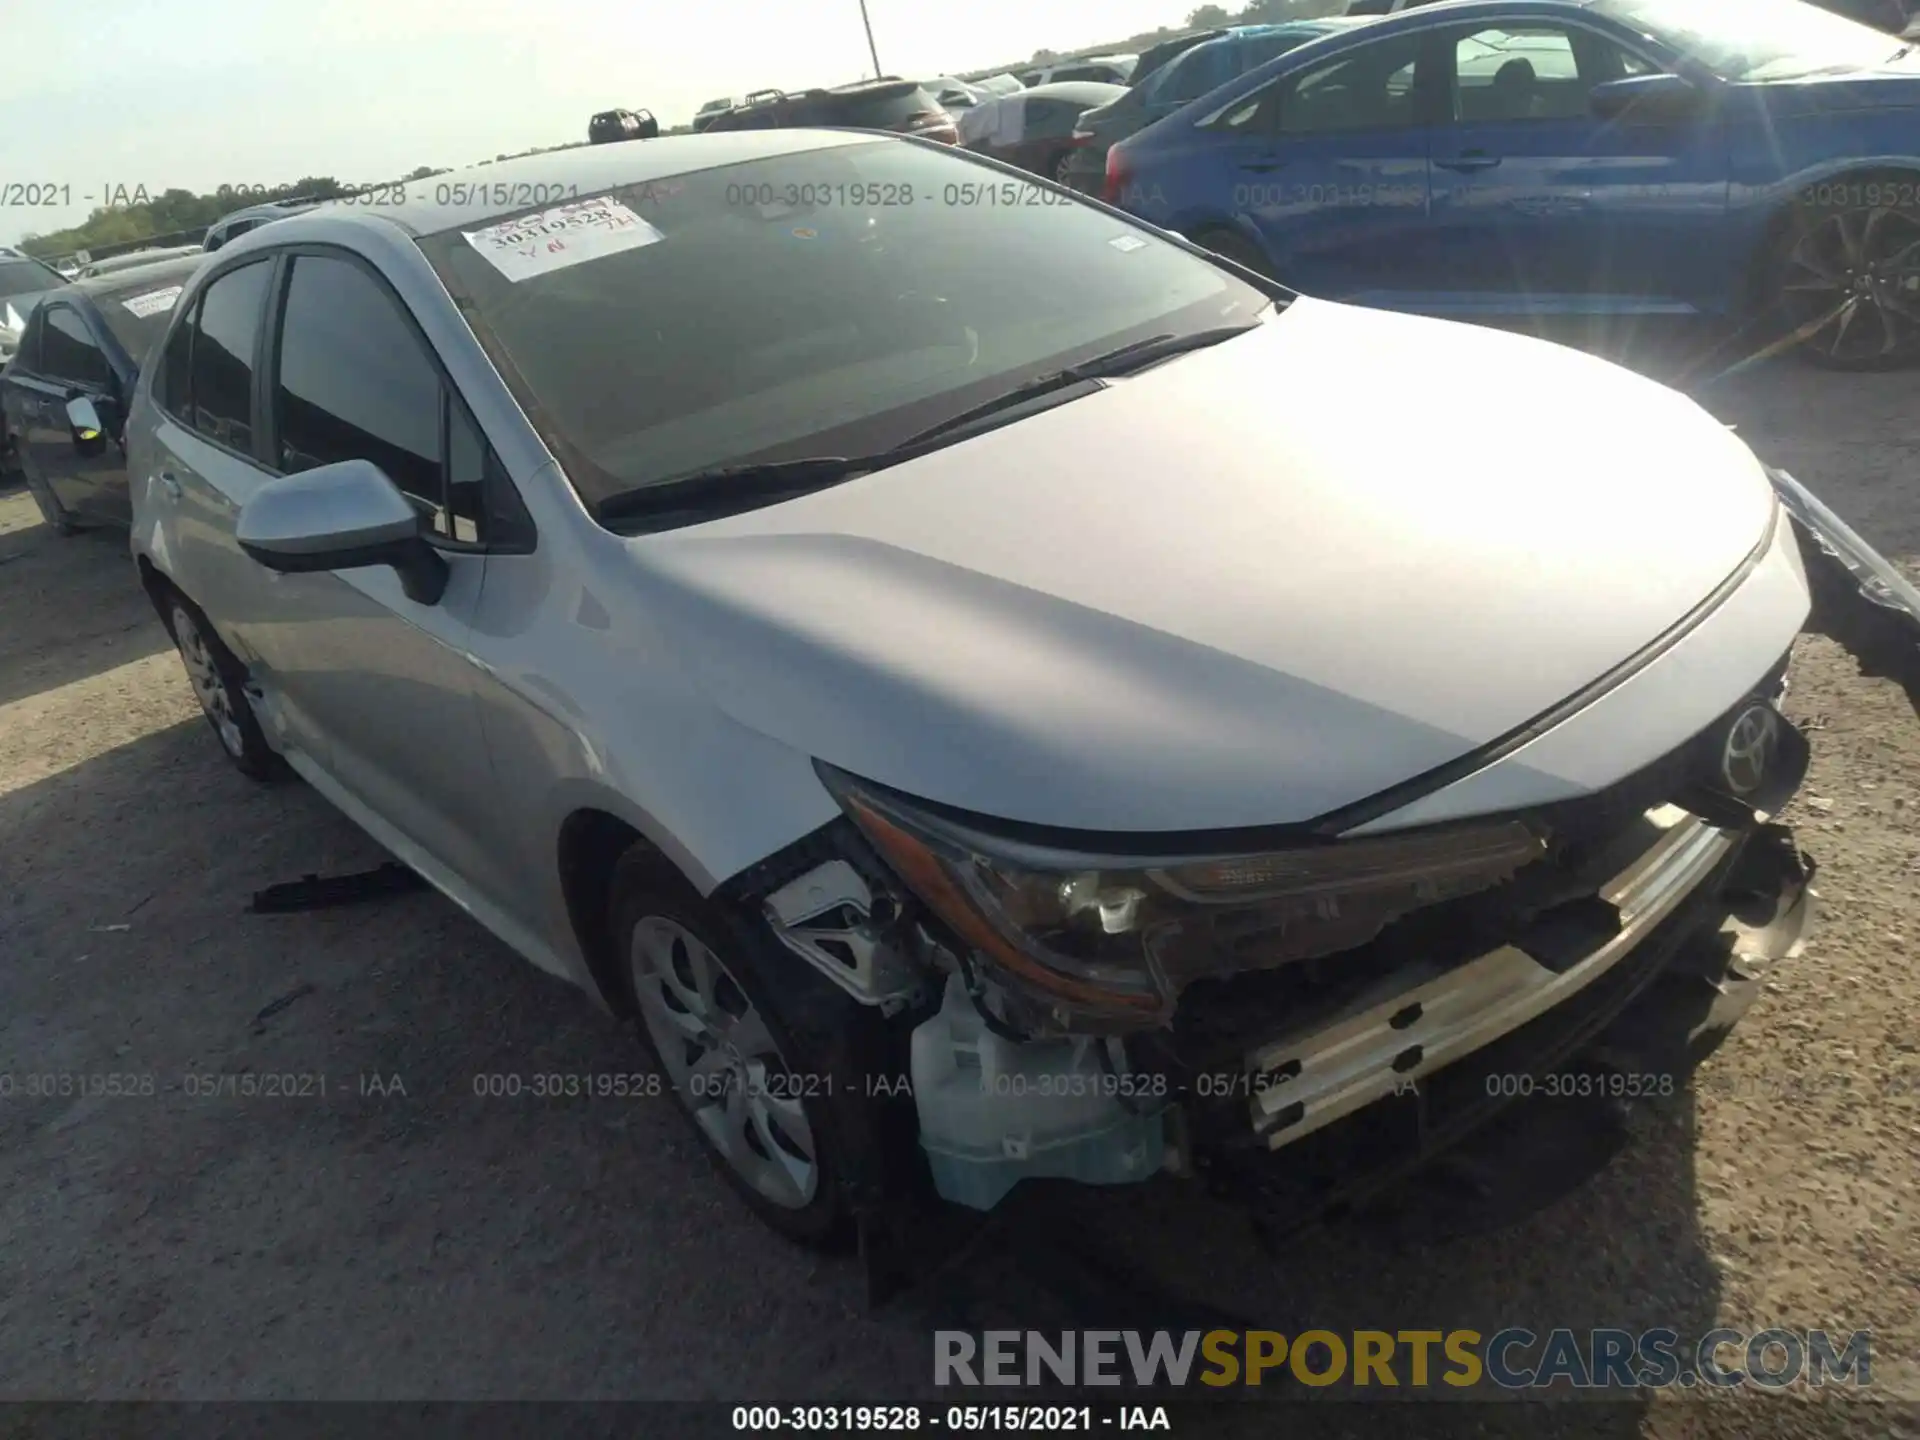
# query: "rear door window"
x,y
1372,89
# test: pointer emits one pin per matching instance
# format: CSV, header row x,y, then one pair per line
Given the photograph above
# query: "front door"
x,y
385,682
85,469
1539,205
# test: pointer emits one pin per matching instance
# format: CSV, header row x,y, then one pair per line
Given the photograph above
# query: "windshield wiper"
x,y
730,482
783,479
1135,356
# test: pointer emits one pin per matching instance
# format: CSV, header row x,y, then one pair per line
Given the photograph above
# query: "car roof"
x,y
136,259
267,207
1093,92
579,170
140,277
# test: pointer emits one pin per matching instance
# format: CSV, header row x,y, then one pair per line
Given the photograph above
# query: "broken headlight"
x,y
1113,939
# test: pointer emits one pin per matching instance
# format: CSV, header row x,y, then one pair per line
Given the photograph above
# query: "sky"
x,y
123,94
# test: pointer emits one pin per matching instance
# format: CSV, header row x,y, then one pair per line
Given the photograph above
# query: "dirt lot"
x,y
433,1243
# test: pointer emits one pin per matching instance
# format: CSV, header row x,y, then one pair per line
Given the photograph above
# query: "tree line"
x,y
175,211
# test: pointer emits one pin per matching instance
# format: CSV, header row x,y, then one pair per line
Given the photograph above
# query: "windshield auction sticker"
x,y
565,235
154,302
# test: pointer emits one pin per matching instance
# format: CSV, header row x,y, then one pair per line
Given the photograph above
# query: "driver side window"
x,y
1504,74
69,352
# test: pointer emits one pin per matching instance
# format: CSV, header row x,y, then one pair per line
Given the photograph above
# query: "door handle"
x,y
169,484
1469,160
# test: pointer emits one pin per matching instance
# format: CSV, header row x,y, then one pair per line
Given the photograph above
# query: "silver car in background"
x,y
978,679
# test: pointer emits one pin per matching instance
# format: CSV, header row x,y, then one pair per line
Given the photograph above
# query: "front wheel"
x,y
752,1041
1846,275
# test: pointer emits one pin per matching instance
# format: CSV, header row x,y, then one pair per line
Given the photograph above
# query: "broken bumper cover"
x,y
1529,1041
1302,1083
1885,621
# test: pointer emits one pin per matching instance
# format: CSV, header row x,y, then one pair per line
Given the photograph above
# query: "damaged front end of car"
x,y
1313,1023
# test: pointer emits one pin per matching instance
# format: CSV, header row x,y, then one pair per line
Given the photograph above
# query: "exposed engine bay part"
x,y
994,1111
831,918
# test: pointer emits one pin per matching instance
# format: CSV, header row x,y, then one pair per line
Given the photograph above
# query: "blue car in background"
x,y
1185,78
1521,157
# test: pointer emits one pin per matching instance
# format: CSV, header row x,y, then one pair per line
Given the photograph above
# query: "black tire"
x,y
811,1023
220,680
1849,253
56,516
1236,248
1060,173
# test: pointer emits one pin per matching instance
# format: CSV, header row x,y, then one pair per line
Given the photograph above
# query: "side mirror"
x,y
84,419
1646,97
343,516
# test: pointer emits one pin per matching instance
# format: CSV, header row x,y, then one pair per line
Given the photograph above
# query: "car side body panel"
x,y
1675,217
528,654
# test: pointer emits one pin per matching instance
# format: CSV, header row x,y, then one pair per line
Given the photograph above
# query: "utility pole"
x,y
871,48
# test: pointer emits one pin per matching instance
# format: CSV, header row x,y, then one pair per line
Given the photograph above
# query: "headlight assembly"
x,y
1109,941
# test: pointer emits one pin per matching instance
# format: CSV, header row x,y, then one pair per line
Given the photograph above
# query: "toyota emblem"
x,y
1748,753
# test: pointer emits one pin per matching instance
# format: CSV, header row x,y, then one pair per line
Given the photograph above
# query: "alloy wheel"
x,y
724,1061
1851,286
209,685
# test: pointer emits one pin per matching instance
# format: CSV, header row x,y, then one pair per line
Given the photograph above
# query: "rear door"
x,y
1331,169
1540,205
206,460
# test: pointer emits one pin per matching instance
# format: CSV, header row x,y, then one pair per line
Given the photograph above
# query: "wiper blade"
x,y
728,482
784,478
1134,356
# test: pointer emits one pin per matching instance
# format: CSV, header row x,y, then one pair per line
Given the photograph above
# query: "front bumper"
x,y
1532,1111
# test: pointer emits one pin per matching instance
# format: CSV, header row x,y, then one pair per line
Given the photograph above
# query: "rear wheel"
x,y
219,684
1846,274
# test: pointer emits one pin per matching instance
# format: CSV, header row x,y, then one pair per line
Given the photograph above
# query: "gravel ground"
x,y
400,1237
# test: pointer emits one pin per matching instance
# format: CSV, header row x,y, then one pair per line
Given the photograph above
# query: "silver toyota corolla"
x,y
995,692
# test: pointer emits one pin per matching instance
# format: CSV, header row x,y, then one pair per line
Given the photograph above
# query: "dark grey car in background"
x,y
1176,82
227,227
65,395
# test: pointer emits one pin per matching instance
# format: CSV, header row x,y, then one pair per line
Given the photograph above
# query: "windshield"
x,y
27,277
1756,39
829,302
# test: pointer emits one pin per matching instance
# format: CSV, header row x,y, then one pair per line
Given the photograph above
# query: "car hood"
x,y
1245,587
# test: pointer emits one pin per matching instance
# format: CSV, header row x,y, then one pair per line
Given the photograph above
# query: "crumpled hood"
x,y
1245,587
